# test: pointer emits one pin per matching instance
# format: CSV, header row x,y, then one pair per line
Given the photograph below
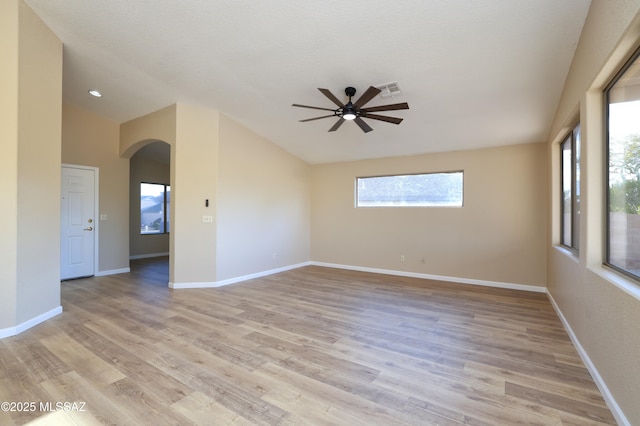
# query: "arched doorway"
x,y
149,208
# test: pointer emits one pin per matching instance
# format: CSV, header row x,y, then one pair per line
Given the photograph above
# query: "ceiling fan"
x,y
354,110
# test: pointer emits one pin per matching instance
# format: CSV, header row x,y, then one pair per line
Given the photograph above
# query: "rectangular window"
x,y
418,190
570,219
155,200
623,170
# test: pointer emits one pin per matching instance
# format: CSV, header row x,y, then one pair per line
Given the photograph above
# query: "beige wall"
x,y
601,307
263,205
91,140
8,160
145,170
157,126
39,117
499,234
30,177
194,178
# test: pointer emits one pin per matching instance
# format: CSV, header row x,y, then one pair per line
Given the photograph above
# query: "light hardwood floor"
x,y
308,346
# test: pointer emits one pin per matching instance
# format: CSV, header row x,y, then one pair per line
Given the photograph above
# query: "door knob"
x,y
89,228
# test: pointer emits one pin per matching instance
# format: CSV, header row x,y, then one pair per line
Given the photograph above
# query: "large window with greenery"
x,y
623,170
415,190
570,218
155,199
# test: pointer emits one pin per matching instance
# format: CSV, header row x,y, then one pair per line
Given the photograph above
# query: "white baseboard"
x,y
533,288
196,284
599,381
113,272
147,256
213,284
12,331
236,279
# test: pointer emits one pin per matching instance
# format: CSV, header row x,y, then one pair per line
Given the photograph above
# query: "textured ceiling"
x,y
475,73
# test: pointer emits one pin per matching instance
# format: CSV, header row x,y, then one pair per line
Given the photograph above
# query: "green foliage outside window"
x,y
624,175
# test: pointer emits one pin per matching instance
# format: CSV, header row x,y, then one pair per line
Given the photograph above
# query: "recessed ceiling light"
x,y
95,93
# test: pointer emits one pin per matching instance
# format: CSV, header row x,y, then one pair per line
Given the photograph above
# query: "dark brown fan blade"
x,y
390,107
338,124
364,126
329,95
367,96
317,118
312,107
393,120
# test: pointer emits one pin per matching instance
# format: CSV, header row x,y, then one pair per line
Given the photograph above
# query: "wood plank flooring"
x,y
314,346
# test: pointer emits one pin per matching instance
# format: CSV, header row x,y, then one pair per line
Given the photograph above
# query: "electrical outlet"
x,y
207,219
402,258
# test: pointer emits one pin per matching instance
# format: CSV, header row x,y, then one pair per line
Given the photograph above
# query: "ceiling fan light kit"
x,y
354,111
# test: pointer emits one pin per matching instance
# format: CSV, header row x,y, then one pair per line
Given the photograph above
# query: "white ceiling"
x,y
475,73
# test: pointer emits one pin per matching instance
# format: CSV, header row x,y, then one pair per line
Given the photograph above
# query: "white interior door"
x,y
77,240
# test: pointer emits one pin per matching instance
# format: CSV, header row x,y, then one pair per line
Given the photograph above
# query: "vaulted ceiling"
x,y
475,73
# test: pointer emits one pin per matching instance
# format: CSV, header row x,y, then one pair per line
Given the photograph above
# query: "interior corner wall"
x,y
30,110
602,316
91,140
8,161
263,205
498,235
